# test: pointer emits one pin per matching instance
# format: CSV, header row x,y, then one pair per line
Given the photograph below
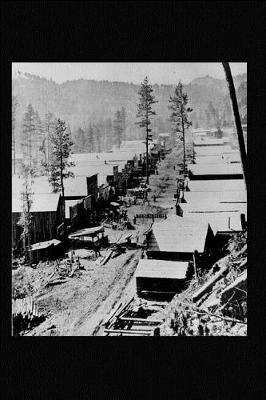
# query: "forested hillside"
x,y
90,106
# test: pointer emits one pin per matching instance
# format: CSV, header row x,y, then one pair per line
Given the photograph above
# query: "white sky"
x,y
161,73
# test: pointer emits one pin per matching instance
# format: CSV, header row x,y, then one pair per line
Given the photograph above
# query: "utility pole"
x,y
238,124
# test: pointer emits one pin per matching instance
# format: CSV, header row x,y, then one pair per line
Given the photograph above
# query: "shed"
x,y
177,238
155,277
45,250
93,234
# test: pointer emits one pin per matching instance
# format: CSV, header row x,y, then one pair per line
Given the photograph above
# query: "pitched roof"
x,y
40,202
215,169
182,235
212,207
208,142
86,232
215,185
213,150
220,222
161,269
218,197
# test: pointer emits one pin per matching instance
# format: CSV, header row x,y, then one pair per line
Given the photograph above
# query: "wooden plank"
x,y
142,320
129,331
110,316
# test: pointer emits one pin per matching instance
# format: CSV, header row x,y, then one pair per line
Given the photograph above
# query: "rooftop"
x,y
216,169
40,202
218,197
220,222
180,235
215,185
213,150
208,142
212,207
161,269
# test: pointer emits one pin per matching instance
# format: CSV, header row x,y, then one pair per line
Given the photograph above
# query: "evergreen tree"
x,y
28,131
14,108
91,140
25,220
81,140
61,144
179,116
48,127
118,128
145,112
123,117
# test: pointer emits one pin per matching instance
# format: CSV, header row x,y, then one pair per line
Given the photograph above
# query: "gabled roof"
x,y
161,269
180,235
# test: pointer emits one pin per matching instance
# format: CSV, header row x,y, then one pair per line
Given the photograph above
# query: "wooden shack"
x,y
177,238
46,213
158,277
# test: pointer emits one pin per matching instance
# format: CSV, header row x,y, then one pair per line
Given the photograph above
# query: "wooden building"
x,y
215,185
46,213
215,171
178,238
157,277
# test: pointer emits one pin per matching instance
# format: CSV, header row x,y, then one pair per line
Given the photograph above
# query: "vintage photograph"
x,y
129,199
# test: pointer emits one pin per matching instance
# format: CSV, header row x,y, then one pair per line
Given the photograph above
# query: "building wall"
x,y
44,226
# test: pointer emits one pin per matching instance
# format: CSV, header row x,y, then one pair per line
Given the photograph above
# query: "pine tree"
x,y
179,115
118,128
145,112
25,220
28,131
14,108
81,140
48,127
91,140
61,144
123,117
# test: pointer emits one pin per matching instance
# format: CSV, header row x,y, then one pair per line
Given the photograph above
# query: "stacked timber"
x,y
25,314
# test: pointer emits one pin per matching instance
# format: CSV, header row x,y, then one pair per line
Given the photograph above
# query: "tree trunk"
x,y
62,186
147,152
184,147
241,142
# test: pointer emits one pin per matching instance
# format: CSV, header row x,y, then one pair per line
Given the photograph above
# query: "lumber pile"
x,y
25,314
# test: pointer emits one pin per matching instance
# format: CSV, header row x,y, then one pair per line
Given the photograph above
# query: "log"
x,y
142,320
239,284
208,285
